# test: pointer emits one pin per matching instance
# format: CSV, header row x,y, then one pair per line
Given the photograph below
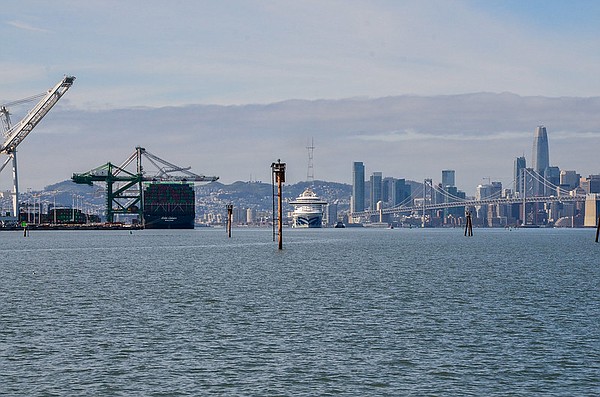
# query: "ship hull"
x,y
307,221
168,221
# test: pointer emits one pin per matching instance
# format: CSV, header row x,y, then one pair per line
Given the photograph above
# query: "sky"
x,y
128,55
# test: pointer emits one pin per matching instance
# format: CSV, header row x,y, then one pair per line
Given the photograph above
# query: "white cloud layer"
x,y
412,137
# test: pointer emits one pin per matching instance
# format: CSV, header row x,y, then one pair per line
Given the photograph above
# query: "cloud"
x,y
251,51
407,137
412,135
26,26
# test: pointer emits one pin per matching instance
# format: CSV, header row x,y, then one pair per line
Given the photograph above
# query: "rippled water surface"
x,y
336,312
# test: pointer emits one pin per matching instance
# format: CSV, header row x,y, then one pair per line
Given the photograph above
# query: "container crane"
x,y
15,134
124,187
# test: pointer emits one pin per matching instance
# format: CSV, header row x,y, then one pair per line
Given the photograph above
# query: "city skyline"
x,y
541,179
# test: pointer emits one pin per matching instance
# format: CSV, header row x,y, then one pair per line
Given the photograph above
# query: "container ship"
x,y
169,206
308,210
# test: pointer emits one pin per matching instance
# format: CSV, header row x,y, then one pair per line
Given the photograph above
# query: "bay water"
x,y
349,312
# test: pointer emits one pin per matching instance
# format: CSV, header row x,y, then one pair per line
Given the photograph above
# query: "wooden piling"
x,y
469,225
278,169
229,219
598,229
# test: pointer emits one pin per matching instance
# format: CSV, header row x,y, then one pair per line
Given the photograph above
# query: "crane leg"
x,y
15,185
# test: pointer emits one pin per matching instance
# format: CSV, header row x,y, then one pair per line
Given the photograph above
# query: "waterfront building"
x,y
250,215
358,187
376,188
448,178
239,215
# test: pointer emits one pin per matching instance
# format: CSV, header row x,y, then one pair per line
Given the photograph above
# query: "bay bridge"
x,y
430,198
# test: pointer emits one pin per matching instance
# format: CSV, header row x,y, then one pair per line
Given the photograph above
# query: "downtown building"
x,y
544,180
382,192
357,203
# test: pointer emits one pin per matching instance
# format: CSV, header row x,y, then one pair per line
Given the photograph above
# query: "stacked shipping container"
x,y
169,206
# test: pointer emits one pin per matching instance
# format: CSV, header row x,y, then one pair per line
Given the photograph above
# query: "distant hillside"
x,y
212,197
248,194
259,196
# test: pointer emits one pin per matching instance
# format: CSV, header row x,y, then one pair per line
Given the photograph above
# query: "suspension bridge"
x,y
430,197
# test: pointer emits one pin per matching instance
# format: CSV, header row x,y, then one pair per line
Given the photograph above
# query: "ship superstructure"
x,y
308,210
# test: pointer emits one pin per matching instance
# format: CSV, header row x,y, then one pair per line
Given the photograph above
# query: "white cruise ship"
x,y
308,210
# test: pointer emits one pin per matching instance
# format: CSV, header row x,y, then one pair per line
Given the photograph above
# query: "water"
x,y
336,312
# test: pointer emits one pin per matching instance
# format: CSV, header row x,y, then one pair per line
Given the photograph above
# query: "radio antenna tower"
x,y
310,175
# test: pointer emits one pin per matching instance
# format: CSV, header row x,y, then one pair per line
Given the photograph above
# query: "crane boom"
x,y
20,130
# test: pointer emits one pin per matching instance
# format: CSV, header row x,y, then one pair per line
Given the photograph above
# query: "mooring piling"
x,y
469,225
278,176
229,219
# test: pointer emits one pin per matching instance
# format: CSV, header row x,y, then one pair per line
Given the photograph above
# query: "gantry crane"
x,y
14,134
124,194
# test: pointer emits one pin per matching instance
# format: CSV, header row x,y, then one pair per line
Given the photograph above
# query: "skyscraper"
x,y
520,165
541,155
358,186
552,177
448,177
569,179
400,192
387,191
376,189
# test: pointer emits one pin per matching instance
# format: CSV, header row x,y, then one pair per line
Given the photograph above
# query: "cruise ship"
x,y
308,210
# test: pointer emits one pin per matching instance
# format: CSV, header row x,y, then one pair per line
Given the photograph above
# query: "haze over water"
x,y
336,312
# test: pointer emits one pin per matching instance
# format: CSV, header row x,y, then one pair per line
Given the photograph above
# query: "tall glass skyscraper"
x,y
541,155
520,165
448,178
400,192
358,186
376,189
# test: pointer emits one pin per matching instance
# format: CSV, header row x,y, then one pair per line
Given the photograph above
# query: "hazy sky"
x,y
129,54
157,53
